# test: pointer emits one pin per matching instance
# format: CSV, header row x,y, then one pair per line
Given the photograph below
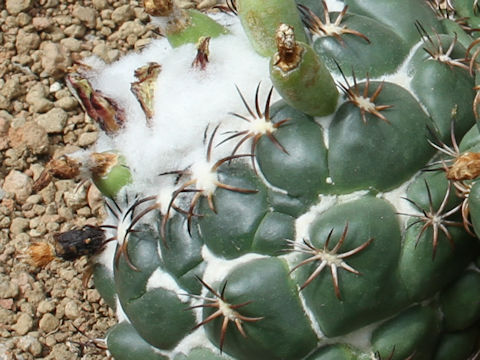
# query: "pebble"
x,y
86,15
42,23
53,121
15,7
88,138
66,103
45,306
55,59
123,14
30,135
48,323
30,344
26,41
19,225
24,324
12,89
19,184
72,310
37,99
8,288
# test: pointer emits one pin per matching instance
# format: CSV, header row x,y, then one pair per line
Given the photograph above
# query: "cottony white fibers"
x,y
187,101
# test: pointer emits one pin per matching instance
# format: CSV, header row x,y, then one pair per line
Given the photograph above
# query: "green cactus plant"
x,y
339,221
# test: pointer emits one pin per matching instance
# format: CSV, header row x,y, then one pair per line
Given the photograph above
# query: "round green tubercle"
x,y
124,343
460,302
399,16
284,332
335,352
199,25
458,345
308,87
414,331
382,54
260,20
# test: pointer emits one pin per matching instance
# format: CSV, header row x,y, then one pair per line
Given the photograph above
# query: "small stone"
x,y
19,225
45,306
123,14
23,19
71,44
55,59
48,323
24,324
71,310
53,121
87,138
99,4
93,296
19,184
26,41
75,30
41,23
36,98
15,7
67,103
31,135
12,89
8,288
30,344
86,15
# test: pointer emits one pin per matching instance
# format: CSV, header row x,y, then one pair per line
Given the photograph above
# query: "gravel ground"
x,y
46,312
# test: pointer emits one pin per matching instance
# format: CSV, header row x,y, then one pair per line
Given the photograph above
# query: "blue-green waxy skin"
x,y
459,302
124,343
367,218
445,90
306,159
398,15
354,159
382,54
157,314
280,334
414,331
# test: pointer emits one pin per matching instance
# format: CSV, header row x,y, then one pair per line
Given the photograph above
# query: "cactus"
x,y
307,190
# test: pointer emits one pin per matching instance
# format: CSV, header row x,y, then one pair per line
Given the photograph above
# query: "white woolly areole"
x,y
206,179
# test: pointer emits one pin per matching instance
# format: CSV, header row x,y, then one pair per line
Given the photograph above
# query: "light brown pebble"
x,y
93,296
122,14
88,138
31,135
30,344
48,323
66,103
8,289
15,7
53,121
45,306
24,324
99,4
71,310
55,59
86,15
19,184
12,89
41,23
26,41
19,225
